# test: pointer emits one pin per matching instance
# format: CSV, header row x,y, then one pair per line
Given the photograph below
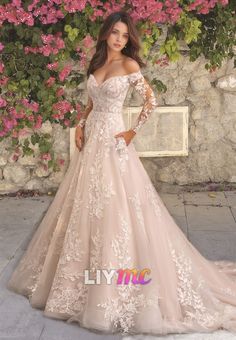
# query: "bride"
x,y
107,218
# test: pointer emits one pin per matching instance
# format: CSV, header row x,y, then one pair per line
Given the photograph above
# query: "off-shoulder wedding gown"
x,y
107,215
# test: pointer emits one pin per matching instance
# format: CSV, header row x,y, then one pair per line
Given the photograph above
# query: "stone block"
x,y
210,218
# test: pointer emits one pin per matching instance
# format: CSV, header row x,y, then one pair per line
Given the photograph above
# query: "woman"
x,y
107,215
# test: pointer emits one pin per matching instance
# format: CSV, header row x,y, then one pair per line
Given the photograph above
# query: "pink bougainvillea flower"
x,y
3,102
52,45
73,6
47,12
25,102
65,72
46,50
33,5
30,118
62,107
61,161
83,58
19,115
57,116
156,11
203,6
1,67
28,49
59,42
46,156
13,112
32,106
1,47
9,123
24,132
50,81
163,61
88,41
66,122
52,16
53,66
60,91
38,123
224,2
97,13
47,39
15,14
78,49
4,80
15,157
16,3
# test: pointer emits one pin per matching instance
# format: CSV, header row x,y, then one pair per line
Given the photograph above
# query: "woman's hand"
x,y
79,137
128,136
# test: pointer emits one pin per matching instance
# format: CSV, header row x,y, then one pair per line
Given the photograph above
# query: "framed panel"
x,y
165,133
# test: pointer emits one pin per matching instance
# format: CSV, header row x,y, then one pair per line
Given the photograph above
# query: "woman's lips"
x,y
117,45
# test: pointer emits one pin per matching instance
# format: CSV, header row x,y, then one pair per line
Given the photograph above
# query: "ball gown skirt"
x,y
106,214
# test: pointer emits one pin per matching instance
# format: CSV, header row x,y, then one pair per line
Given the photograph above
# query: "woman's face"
x,y
118,37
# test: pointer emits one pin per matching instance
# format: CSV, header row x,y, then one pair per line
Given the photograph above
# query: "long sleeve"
x,y
85,113
138,81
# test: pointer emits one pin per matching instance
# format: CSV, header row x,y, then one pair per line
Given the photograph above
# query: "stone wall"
x,y
25,173
211,98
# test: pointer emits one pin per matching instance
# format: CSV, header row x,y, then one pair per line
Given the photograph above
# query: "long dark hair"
x,y
132,47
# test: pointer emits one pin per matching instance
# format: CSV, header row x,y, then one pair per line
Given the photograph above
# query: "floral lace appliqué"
x,y
95,254
68,293
122,151
188,295
99,190
152,198
121,311
138,81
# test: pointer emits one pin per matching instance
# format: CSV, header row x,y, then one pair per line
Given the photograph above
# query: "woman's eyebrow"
x,y
118,30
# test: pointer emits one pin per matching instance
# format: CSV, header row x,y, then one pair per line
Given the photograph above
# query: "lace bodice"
x,y
109,96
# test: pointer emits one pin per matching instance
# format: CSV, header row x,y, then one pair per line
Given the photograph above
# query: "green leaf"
x,y
67,28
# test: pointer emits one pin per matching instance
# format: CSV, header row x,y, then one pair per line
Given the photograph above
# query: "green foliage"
x,y
159,85
190,28
171,49
212,35
218,36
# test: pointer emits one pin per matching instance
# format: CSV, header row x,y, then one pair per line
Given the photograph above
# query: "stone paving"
x,y
207,218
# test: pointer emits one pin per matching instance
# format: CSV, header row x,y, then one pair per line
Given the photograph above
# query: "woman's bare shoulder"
x,y
131,65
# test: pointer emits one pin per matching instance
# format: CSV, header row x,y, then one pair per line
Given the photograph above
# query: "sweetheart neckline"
x,y
122,75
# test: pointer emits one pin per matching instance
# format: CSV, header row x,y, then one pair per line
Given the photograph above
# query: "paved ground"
x,y
207,218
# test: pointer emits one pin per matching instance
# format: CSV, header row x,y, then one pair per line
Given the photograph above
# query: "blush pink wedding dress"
x,y
107,215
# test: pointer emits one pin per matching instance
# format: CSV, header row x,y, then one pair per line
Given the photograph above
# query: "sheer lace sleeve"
x,y
138,81
85,113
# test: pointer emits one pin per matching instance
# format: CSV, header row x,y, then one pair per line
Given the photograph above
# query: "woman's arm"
x,y
138,81
86,112
150,102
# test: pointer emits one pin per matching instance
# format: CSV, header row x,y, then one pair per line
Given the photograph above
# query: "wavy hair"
x,y
132,46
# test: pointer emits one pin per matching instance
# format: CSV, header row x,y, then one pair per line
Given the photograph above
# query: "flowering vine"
x,y
45,47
